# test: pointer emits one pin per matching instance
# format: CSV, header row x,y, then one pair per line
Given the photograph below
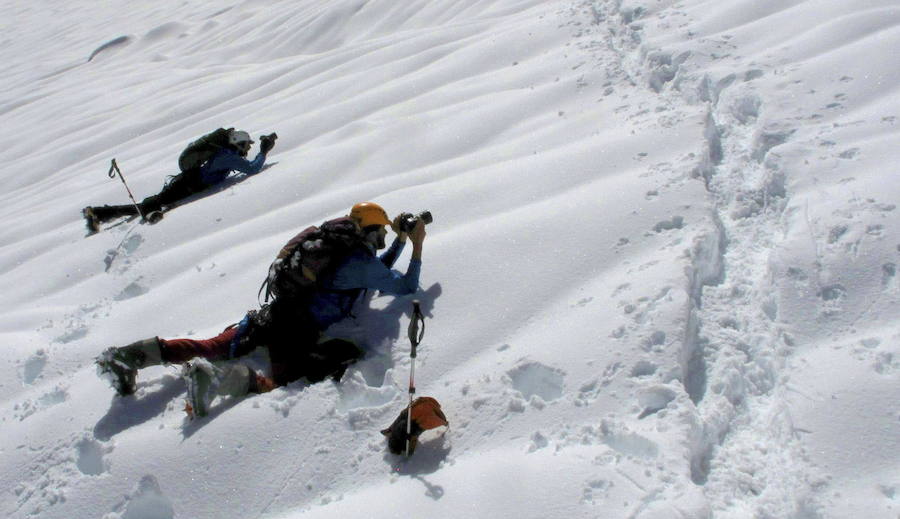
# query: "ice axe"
x,y
113,169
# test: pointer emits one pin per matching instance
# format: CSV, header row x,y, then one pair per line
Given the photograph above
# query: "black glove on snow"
x,y
267,142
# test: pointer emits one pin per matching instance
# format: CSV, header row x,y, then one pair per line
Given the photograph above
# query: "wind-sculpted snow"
x,y
661,280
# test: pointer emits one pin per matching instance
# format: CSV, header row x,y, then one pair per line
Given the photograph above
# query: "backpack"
x,y
309,257
203,149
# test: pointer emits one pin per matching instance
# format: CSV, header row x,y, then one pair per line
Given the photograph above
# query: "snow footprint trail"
x,y
735,355
743,449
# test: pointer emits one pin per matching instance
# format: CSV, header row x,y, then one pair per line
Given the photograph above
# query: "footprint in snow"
x,y
654,399
677,222
90,457
884,357
617,436
132,243
29,407
889,275
746,109
643,369
538,442
797,274
595,491
537,380
44,480
849,153
131,291
834,292
655,341
836,232
886,362
146,501
34,366
588,392
591,391
584,301
364,405
750,75
767,140
73,333
875,230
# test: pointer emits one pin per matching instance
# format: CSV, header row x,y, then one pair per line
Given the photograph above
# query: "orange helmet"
x,y
369,213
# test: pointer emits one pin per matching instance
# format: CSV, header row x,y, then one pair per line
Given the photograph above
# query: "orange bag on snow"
x,y
426,414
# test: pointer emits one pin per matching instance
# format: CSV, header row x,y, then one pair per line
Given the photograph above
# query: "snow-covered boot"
x,y
236,381
206,381
202,379
119,365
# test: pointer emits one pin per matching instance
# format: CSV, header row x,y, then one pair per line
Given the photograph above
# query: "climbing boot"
x,y
90,219
202,379
119,365
236,381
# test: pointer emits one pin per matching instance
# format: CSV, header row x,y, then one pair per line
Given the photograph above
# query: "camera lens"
x,y
408,221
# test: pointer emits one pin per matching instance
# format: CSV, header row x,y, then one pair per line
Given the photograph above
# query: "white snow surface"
x,y
661,281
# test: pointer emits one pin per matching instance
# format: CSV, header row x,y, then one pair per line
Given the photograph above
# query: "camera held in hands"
x,y
408,221
267,142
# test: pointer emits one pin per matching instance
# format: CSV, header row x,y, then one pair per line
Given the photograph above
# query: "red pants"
x,y
179,351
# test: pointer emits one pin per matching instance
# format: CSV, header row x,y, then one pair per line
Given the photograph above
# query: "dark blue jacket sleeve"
x,y
223,163
248,167
390,256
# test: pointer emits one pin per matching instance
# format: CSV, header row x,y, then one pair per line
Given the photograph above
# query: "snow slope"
x,y
661,280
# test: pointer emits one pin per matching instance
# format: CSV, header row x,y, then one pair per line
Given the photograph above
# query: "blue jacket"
x,y
363,271
360,271
227,160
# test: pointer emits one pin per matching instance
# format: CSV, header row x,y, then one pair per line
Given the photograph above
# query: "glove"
x,y
267,142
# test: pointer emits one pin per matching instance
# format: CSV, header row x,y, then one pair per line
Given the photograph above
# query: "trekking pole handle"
x,y
113,169
416,328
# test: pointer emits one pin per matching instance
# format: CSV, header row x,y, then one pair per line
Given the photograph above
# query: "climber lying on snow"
x,y
315,281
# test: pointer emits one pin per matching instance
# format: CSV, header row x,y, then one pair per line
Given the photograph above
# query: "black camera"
x,y
408,221
267,142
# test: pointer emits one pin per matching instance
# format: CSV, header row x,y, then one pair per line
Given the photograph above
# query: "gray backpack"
x,y
200,151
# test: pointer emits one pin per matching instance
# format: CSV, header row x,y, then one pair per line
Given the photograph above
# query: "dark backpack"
x,y
203,149
308,258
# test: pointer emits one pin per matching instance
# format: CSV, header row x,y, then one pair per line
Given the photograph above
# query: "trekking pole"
x,y
415,336
113,169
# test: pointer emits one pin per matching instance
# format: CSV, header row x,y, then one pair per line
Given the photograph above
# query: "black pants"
x,y
295,348
180,187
